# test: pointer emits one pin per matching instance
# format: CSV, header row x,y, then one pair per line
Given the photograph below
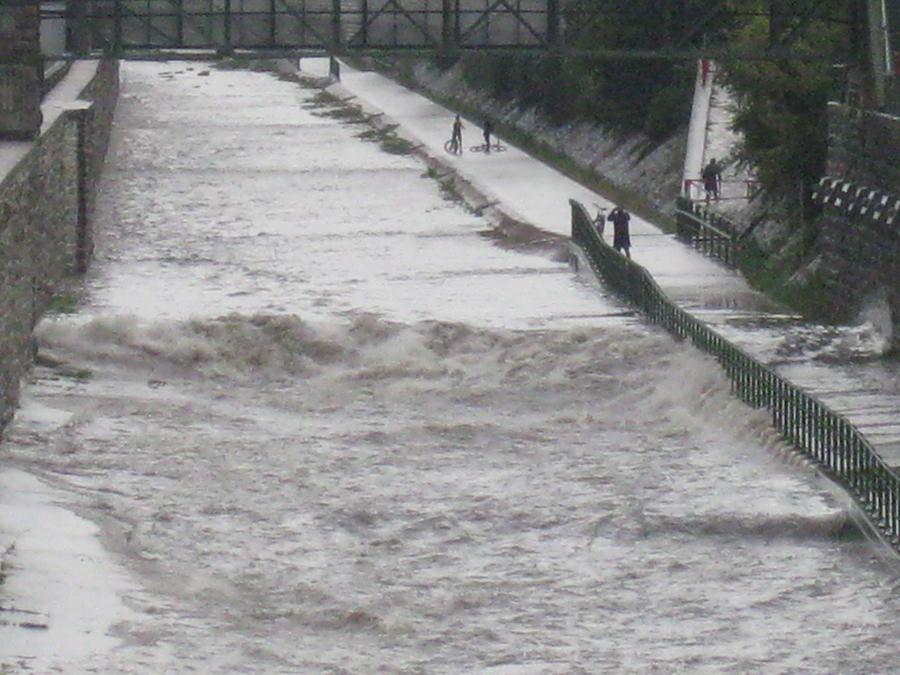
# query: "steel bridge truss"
x,y
686,29
333,25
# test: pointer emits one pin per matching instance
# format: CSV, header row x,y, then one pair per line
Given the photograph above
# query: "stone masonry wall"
x,y
863,147
858,244
45,233
103,92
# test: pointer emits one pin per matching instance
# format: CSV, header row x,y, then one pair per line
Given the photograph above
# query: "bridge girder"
x,y
438,25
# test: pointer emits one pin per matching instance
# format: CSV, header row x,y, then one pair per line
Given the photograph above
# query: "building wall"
x,y
45,229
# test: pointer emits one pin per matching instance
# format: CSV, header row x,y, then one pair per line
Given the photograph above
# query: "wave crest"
x,y
369,347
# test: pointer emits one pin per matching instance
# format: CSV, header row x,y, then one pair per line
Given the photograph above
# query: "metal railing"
x,y
332,25
730,189
707,231
825,437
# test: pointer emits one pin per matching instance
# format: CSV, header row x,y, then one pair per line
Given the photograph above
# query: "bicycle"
x,y
600,219
453,147
495,147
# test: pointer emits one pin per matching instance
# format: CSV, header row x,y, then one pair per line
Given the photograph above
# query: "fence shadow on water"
x,y
836,445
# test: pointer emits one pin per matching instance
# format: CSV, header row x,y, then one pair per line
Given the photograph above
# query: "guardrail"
x,y
827,438
707,231
729,189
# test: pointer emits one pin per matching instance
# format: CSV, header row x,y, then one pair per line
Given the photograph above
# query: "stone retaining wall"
x,y
858,242
863,146
45,234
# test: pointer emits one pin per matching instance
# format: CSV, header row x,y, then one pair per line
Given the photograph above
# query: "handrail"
x,y
827,438
701,221
694,188
707,231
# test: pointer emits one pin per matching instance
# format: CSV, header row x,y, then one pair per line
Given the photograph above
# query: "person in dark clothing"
x,y
456,138
488,128
712,178
620,218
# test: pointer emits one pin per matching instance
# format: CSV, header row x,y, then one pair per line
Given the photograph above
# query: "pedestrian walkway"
x,y
711,137
539,194
842,366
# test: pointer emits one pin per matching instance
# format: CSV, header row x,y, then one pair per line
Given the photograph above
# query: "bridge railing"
x,y
730,189
820,434
331,25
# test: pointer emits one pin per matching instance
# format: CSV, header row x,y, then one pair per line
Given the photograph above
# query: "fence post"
x,y
82,237
117,28
228,47
77,37
336,38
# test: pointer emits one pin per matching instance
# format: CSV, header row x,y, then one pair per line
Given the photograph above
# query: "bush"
x,y
652,97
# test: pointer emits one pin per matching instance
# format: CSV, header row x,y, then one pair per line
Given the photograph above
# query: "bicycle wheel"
x,y
477,148
498,148
452,148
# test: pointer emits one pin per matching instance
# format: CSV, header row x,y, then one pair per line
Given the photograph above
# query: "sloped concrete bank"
x,y
47,193
643,176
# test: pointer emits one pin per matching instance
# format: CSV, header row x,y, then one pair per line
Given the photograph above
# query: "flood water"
x,y
330,425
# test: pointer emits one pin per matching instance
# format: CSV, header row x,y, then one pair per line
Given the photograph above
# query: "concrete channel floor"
x,y
843,366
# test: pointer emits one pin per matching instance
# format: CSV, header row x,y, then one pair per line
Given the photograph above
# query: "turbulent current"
x,y
329,425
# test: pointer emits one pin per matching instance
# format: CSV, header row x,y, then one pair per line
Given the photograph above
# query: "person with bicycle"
x,y
620,218
486,132
456,136
712,179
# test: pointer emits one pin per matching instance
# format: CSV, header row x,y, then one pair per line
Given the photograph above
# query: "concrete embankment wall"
x,y
47,194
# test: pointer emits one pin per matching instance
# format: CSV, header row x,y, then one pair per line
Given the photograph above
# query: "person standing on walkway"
x,y
456,137
486,131
712,179
620,218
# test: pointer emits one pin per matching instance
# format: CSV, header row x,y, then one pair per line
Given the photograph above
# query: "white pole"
x,y
696,142
888,60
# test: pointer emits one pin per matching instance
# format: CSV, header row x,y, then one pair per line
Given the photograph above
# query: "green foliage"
x,y
649,96
64,303
772,275
781,110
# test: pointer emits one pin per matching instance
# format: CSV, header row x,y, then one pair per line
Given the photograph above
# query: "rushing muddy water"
x,y
330,426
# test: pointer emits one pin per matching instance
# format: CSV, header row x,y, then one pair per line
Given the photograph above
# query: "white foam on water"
x,y
338,432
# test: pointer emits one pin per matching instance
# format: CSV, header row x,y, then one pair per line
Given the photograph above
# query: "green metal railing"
x,y
836,445
710,233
